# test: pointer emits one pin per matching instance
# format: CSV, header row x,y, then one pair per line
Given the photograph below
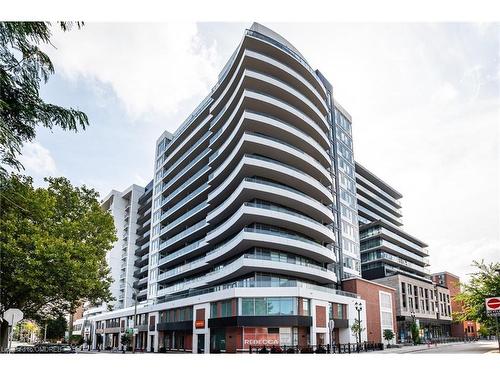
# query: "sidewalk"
x,y
416,348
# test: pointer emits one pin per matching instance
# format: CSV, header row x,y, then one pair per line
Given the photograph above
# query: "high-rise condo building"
x,y
254,219
392,257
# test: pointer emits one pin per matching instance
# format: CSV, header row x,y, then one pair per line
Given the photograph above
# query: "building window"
x,y
270,306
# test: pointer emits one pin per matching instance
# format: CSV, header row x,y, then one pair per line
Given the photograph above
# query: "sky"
x,y
425,102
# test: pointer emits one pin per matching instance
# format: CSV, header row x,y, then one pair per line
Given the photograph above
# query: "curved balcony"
x,y
182,271
192,231
184,174
174,197
190,217
184,159
252,237
250,213
262,123
292,108
190,200
258,62
180,255
254,165
274,149
254,187
183,139
257,41
248,263
261,82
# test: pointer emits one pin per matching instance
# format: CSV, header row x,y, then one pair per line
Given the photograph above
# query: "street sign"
x,y
12,316
492,306
331,325
130,331
136,331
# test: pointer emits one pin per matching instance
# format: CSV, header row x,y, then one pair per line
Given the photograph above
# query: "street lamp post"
x,y
135,320
359,306
412,314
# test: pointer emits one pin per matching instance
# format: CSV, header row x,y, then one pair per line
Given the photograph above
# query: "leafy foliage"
x,y
53,243
76,340
24,330
415,333
23,65
56,328
484,283
356,328
388,335
126,339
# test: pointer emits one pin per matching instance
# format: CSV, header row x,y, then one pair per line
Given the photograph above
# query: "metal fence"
x,y
317,349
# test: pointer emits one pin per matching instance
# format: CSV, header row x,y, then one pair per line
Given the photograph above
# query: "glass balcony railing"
x,y
299,95
262,181
184,200
254,284
185,250
185,184
283,234
180,269
171,225
287,261
186,232
301,132
185,169
281,46
187,153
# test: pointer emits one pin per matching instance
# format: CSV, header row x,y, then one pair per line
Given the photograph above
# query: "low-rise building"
x,y
380,307
450,281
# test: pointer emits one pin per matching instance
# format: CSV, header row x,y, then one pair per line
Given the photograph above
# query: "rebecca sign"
x,y
259,337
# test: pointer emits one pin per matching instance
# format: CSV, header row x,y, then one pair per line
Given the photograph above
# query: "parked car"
x,y
45,348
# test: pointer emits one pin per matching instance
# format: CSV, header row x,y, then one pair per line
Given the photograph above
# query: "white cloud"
x,y
152,68
444,94
37,160
457,258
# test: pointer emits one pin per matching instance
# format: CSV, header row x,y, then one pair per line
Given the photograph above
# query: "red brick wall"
x,y
233,339
370,293
320,316
303,336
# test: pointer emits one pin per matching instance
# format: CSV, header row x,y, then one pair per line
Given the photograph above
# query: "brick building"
x,y
448,280
380,306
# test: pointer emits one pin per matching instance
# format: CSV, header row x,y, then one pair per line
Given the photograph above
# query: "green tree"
x,y
126,340
23,66
484,283
415,333
388,336
357,329
56,328
53,243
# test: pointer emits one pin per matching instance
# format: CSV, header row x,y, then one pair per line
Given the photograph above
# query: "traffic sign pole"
x,y
493,310
498,336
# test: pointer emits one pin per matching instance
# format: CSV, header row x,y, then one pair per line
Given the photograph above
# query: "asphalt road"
x,y
480,347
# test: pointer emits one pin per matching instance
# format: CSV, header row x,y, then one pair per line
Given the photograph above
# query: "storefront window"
x,y
286,306
247,307
305,307
260,306
273,306
213,310
226,308
269,306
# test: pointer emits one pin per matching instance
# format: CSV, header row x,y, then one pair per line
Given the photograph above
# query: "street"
x,y
479,347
